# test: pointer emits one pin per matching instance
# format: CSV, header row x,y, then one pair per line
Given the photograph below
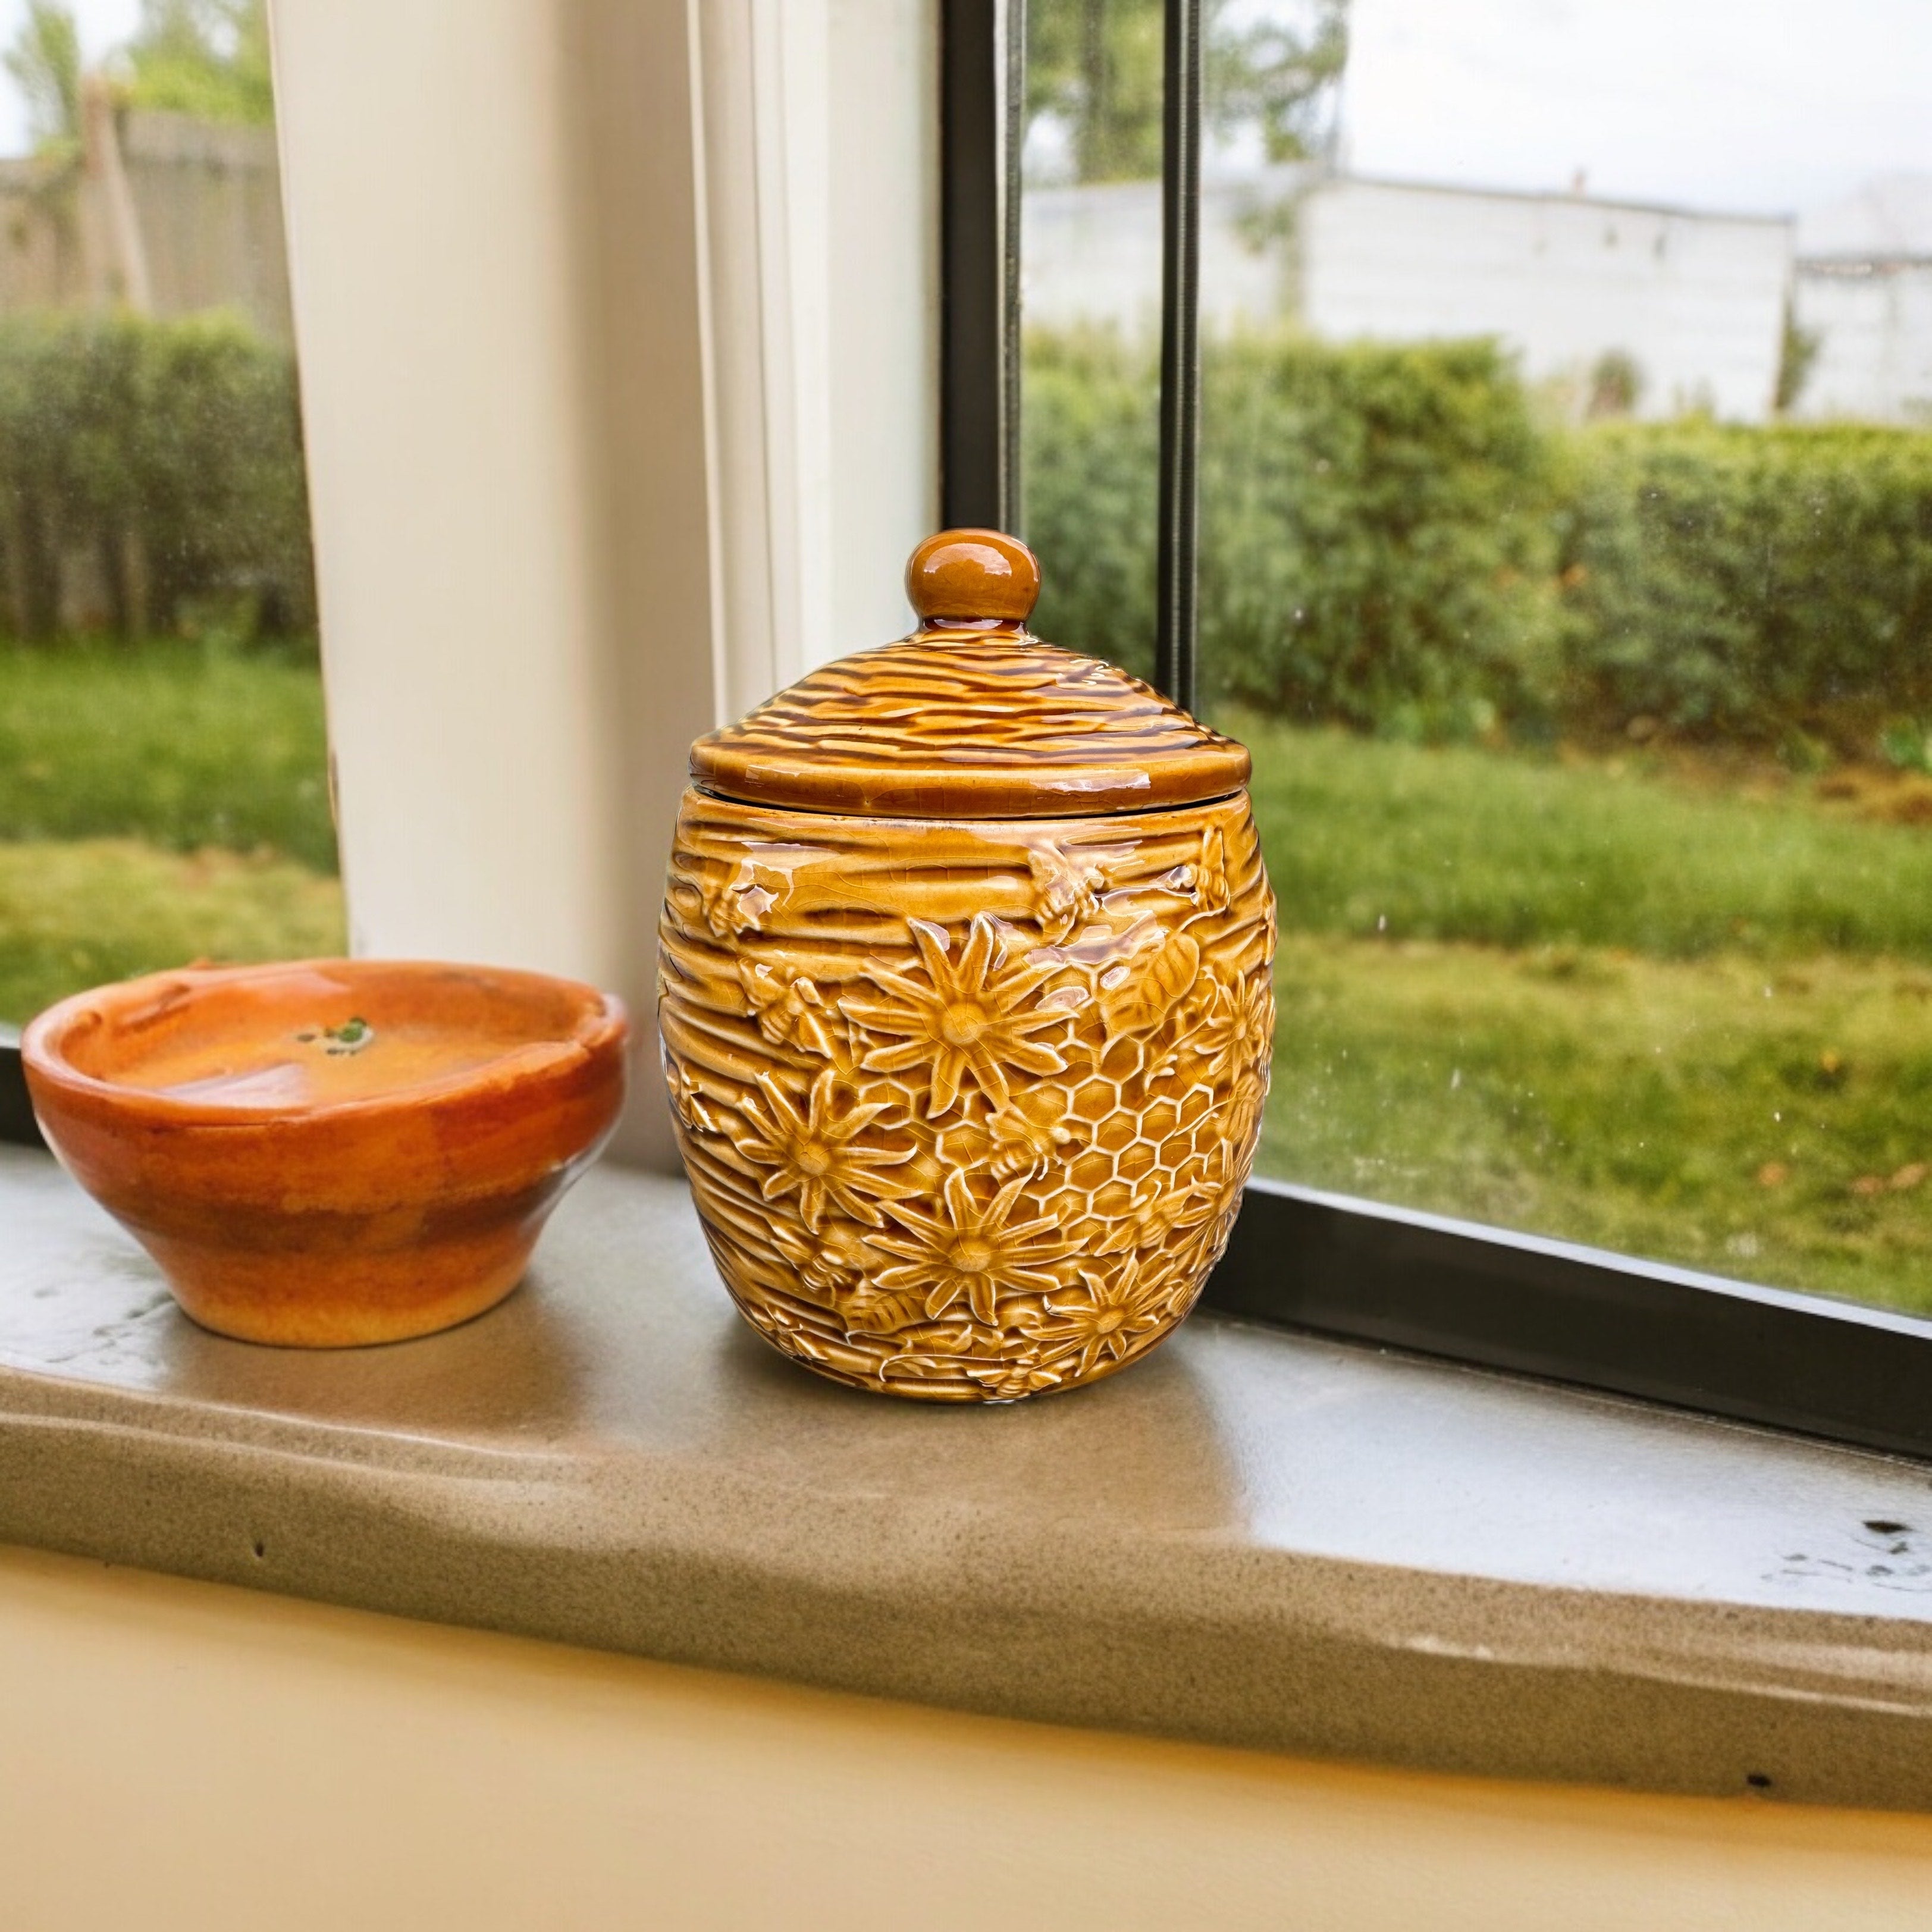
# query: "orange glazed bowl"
x,y
331,1152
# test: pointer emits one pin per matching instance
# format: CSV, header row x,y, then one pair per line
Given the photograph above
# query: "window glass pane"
x,y
164,792
1090,392
1567,563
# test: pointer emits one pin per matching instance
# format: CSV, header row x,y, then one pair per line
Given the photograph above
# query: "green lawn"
x,y
157,804
1513,850
76,913
167,743
1619,1009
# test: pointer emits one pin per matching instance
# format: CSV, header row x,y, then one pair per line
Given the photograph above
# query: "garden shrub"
x,y
1091,440
1378,527
1391,538
172,452
1753,583
1378,540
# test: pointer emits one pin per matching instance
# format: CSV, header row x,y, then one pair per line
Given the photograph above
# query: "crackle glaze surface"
x,y
966,1106
951,724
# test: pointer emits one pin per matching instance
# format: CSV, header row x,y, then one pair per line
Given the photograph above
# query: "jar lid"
x,y
970,716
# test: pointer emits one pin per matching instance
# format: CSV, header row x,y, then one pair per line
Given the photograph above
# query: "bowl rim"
x,y
602,1024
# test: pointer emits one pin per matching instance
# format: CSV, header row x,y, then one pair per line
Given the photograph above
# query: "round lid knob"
x,y
973,577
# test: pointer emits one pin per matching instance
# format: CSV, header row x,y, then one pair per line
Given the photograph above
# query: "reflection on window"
x,y
1567,537
163,788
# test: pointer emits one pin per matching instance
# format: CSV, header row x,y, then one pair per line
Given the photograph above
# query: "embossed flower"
x,y
1231,1018
1254,1006
971,1253
811,1154
1101,1320
1222,1174
970,1017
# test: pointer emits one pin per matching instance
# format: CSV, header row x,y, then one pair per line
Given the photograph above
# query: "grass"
x,y
1622,1010
158,803
76,913
170,742
1515,850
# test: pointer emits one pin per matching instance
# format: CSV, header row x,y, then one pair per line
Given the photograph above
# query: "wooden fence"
x,y
205,231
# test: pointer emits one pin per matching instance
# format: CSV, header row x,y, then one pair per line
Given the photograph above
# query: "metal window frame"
x,y
17,1124
982,52
1353,1268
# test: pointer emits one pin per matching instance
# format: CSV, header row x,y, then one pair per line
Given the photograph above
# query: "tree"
x,y
1798,350
45,62
1096,66
205,58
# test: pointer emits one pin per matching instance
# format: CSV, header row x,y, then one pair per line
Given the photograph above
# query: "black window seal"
x,y
1299,1257
18,1127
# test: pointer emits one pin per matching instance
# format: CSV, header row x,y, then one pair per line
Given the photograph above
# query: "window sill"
x,y
1258,1538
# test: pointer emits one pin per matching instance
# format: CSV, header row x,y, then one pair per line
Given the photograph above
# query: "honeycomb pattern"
x,y
967,1107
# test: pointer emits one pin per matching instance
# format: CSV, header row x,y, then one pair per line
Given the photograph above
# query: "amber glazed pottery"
x,y
965,1001
332,1152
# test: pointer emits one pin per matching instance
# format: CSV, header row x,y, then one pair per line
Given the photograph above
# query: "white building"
x,y
1864,291
1091,252
1695,301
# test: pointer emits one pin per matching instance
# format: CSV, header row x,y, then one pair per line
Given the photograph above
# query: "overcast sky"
x,y
1762,106
1757,105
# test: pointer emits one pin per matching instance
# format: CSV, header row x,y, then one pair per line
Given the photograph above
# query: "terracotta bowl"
x,y
332,1152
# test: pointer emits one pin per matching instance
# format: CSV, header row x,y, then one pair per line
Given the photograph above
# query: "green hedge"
x,y
1090,447
1753,582
1392,538
170,453
1379,545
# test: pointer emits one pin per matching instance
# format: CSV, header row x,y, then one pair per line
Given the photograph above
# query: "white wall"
x,y
1873,321
617,329
1697,300
179,1757
1091,253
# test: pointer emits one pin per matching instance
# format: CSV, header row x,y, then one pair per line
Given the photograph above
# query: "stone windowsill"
x,y
1256,1538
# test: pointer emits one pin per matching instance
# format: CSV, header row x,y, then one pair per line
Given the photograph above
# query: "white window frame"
x,y
618,331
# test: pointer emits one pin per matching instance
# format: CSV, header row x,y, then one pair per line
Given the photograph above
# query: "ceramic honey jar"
x,y
965,1000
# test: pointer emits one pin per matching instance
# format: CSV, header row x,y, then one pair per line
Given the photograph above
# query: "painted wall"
x,y
1696,300
608,436
1873,323
182,1757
